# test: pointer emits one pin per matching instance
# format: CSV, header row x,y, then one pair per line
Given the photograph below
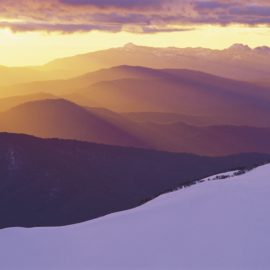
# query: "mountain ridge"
x,y
236,63
127,90
59,118
52,182
170,231
230,63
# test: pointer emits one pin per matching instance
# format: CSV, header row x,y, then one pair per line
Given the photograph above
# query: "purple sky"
x,y
113,15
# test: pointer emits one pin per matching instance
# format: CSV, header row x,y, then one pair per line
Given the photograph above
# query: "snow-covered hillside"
x,y
222,224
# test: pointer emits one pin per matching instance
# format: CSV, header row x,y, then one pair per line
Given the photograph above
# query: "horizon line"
x,y
130,44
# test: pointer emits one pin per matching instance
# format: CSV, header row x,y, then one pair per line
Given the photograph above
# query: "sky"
x,y
33,32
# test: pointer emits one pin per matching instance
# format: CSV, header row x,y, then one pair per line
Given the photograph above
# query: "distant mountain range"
x,y
59,118
58,182
14,75
63,119
13,101
193,101
237,62
141,89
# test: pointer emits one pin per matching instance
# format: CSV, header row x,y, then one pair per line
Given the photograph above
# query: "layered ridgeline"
x,y
138,89
58,182
238,62
13,101
212,225
12,75
58,118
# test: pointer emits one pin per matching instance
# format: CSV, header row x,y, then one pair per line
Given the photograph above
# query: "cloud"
x,y
143,16
63,28
122,4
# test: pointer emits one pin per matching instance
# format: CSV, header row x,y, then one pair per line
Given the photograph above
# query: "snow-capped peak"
x,y
240,47
130,46
263,49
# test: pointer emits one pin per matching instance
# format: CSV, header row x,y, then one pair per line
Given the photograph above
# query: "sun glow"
x,y
36,48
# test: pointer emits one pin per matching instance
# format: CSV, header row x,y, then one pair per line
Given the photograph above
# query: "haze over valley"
x,y
134,135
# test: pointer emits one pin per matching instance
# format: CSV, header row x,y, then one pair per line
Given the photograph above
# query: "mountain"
x,y
68,86
140,89
58,182
238,47
19,75
263,83
13,101
211,225
15,75
184,92
263,49
63,119
209,140
169,118
58,118
237,62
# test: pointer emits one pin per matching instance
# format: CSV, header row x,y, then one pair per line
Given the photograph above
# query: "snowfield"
x,y
222,224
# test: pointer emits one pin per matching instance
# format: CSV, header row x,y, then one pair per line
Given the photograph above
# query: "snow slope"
x,y
223,224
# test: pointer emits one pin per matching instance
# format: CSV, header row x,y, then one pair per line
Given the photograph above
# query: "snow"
x,y
221,175
219,225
